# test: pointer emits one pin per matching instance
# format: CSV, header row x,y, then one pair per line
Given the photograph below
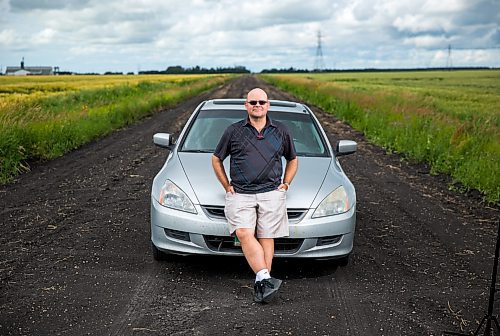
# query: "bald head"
x,y
257,94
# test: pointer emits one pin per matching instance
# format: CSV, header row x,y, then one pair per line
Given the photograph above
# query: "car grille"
x,y
214,211
226,244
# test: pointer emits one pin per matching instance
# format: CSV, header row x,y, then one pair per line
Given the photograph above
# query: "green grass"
x,y
39,122
449,119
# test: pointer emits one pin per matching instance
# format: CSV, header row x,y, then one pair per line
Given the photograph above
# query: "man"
x,y
256,195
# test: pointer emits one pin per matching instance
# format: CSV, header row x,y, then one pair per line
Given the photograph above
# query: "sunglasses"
x,y
254,102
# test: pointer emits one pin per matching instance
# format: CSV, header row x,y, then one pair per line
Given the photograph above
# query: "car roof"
x,y
239,104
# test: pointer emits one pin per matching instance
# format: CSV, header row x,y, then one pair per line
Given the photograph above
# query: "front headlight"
x,y
333,204
173,197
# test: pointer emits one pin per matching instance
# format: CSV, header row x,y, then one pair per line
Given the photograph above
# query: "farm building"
x,y
29,70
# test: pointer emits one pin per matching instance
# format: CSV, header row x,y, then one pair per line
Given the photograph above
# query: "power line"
x,y
468,48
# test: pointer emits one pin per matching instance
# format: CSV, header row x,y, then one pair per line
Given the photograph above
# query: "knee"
x,y
244,234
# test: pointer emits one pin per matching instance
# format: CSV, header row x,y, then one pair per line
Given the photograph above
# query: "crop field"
x,y
42,117
448,119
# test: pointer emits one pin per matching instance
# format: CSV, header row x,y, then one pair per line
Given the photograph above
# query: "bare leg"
x,y
268,247
253,251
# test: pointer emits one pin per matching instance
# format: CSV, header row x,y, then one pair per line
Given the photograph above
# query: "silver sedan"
x,y
187,200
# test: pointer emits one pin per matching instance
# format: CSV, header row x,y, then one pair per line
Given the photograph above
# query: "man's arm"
x,y
221,174
290,170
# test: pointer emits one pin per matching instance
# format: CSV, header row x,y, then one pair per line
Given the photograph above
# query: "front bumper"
x,y
326,237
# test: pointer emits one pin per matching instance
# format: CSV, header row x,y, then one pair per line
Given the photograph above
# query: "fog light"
x,y
330,240
181,235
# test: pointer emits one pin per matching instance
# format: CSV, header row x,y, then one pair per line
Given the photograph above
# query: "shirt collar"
x,y
269,122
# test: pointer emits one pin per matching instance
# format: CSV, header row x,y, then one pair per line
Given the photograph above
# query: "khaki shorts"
x,y
266,211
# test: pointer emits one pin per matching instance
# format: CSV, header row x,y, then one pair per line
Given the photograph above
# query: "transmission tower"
x,y
319,64
449,63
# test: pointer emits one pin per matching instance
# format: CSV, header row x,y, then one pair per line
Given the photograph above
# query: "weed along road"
x,y
75,253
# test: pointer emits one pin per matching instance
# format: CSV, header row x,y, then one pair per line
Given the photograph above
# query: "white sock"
x,y
262,274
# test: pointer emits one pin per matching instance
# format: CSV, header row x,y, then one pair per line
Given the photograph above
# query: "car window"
x,y
308,141
208,127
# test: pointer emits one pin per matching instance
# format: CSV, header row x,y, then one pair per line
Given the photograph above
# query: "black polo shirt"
x,y
255,165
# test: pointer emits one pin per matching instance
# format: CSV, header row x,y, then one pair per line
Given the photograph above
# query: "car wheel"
x,y
344,261
157,254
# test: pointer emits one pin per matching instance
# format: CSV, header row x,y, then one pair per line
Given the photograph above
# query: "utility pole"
x,y
449,64
319,64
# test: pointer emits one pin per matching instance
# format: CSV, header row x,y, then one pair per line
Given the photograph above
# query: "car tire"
x,y
344,261
157,254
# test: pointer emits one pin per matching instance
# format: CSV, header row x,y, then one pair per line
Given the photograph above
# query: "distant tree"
x,y
177,69
289,70
151,72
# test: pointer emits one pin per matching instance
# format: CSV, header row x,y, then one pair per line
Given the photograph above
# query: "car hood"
x,y
305,186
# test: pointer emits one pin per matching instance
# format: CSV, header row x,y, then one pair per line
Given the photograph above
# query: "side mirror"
x,y
164,140
345,147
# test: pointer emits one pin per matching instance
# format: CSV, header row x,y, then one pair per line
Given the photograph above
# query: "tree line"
x,y
177,69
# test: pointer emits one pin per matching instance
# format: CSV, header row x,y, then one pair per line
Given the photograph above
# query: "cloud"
x,y
45,36
107,24
298,11
427,41
494,36
445,7
30,5
7,37
258,34
479,13
420,24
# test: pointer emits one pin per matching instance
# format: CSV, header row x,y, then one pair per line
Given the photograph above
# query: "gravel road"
x,y
75,256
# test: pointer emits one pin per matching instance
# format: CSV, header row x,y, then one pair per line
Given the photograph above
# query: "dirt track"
x,y
75,255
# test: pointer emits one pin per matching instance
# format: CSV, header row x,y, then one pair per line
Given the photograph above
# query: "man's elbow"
x,y
216,162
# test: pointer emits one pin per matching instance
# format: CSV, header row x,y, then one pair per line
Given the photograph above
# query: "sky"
x,y
137,35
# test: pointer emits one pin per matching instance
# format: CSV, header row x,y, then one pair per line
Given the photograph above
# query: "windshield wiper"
x,y
196,151
312,155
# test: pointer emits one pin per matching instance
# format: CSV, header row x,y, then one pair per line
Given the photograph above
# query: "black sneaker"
x,y
269,288
257,287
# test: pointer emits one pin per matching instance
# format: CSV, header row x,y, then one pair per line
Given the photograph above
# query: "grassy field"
x,y
42,117
449,119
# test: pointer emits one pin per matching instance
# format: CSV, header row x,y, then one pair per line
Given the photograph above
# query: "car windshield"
x,y
206,131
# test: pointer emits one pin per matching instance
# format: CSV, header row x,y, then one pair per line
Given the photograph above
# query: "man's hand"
x,y
283,186
230,189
